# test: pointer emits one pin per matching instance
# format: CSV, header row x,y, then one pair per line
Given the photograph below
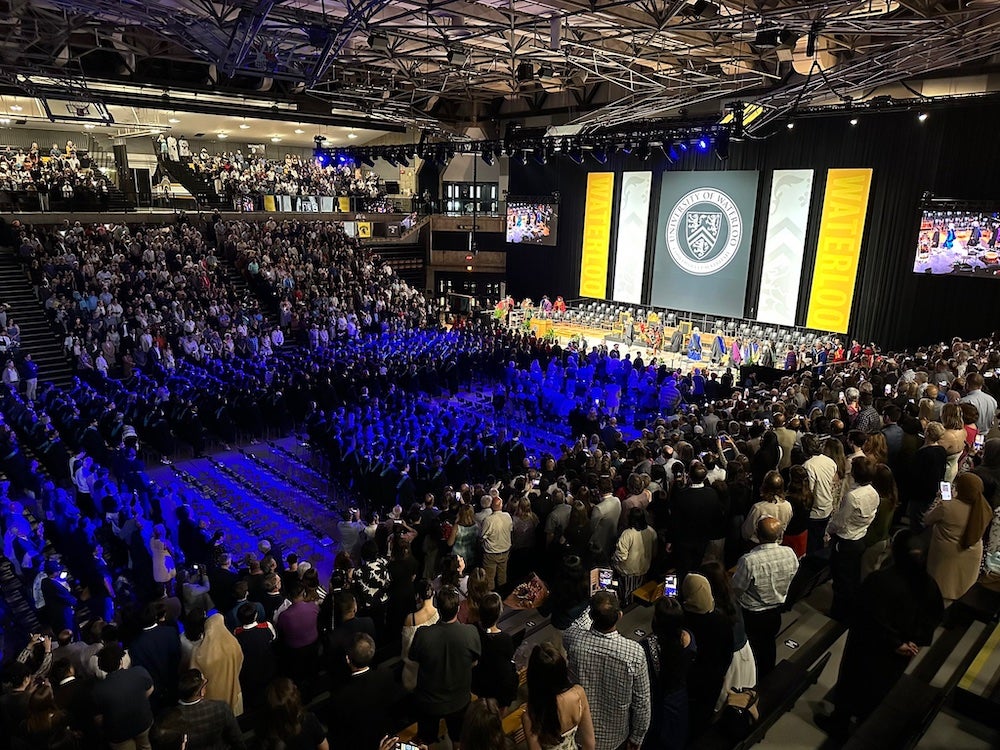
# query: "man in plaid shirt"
x,y
613,673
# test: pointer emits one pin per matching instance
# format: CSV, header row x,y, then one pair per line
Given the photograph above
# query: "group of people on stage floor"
x,y
494,468
651,333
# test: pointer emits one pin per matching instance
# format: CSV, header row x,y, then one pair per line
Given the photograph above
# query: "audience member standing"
x,y
713,634
847,530
761,583
897,611
670,652
613,673
361,710
207,723
157,648
696,514
497,528
121,701
956,548
557,716
445,654
220,659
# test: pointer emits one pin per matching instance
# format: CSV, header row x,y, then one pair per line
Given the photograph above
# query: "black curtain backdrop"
x,y
953,154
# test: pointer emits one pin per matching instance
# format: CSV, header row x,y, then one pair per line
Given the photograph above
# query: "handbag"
x,y
739,714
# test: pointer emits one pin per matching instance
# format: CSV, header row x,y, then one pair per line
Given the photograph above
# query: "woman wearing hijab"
x,y
713,633
956,548
219,657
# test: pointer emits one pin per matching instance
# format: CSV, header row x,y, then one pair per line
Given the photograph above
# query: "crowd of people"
x,y
235,175
492,465
34,180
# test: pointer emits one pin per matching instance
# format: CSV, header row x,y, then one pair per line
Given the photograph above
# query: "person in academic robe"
x,y
736,353
676,341
718,348
694,345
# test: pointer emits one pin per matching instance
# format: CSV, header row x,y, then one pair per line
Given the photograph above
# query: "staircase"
x,y
200,189
117,202
37,337
235,280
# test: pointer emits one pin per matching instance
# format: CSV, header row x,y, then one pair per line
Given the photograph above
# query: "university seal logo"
x,y
704,229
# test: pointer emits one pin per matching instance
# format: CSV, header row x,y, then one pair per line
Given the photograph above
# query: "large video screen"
x,y
960,242
532,222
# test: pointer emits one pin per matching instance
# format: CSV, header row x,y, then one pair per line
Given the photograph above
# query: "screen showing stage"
x,y
703,241
962,243
532,222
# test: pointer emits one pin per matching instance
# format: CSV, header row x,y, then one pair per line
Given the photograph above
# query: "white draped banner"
x,y
784,245
630,249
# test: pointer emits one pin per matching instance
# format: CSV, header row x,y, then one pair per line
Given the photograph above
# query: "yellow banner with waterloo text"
x,y
845,207
597,235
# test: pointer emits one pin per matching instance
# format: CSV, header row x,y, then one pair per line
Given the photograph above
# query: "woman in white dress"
x,y
558,713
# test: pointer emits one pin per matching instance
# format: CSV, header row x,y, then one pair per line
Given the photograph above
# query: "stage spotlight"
x,y
683,146
703,144
487,156
401,158
722,146
790,125
576,154
540,156
642,152
390,157
600,154
524,158
854,121
367,159
922,116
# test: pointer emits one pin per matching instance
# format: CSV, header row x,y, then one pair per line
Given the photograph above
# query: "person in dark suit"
x,y
157,648
696,516
209,724
60,604
222,577
361,710
347,625
72,695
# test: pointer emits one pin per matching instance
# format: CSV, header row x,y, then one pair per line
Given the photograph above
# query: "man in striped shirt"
x,y
612,670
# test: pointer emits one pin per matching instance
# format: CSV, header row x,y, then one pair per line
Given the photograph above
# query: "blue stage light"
x,y
703,144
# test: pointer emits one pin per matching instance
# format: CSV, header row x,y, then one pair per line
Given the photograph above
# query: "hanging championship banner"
x,y
787,218
364,230
597,235
845,207
703,241
630,246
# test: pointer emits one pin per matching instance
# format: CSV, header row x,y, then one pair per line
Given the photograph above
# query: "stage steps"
x,y
37,336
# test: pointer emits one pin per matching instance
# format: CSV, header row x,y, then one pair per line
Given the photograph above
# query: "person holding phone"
x,y
956,547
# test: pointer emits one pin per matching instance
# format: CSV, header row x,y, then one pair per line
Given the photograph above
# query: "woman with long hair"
x,y
478,587
876,448
46,725
288,726
956,548
634,553
800,496
464,537
558,714
670,651
482,728
953,440
877,537
742,672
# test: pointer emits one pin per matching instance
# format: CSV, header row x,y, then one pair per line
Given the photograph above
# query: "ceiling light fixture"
x,y
4,121
88,125
16,107
299,131
222,136
173,121
244,126
352,135
275,139
854,121
922,116
790,125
